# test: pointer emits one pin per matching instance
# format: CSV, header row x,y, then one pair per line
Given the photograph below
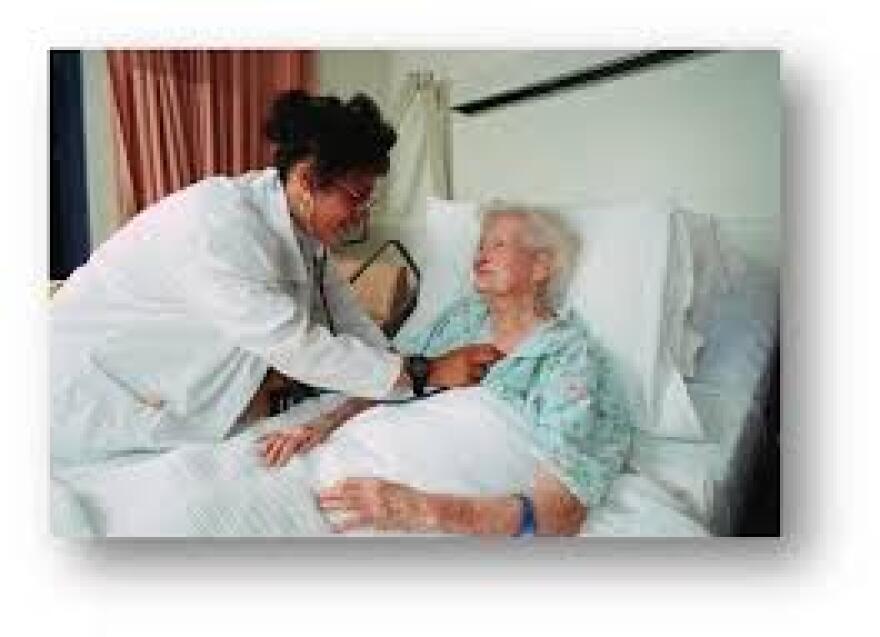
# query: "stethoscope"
x,y
294,392
320,268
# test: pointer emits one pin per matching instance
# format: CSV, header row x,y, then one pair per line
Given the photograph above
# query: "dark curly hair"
x,y
339,136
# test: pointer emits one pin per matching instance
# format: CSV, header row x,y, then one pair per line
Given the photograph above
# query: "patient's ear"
x,y
542,270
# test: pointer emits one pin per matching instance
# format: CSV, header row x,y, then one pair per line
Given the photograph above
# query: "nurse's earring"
x,y
307,210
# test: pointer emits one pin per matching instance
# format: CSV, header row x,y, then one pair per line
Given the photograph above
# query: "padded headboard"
x,y
705,129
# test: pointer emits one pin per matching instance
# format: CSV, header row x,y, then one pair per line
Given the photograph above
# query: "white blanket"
x,y
463,441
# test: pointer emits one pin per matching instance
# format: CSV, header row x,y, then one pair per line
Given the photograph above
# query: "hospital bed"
x,y
736,392
677,487
693,488
650,125
671,487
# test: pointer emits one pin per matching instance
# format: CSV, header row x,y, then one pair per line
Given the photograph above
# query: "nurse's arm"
x,y
460,367
237,282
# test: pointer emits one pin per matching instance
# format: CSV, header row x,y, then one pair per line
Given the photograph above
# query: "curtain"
x,y
420,160
179,116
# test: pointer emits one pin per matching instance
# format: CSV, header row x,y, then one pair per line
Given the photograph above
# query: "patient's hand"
x,y
381,504
277,447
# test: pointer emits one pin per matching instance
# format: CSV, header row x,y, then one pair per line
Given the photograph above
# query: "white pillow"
x,y
453,231
710,282
631,282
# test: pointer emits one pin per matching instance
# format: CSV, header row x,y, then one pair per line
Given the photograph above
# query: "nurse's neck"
x,y
512,319
299,206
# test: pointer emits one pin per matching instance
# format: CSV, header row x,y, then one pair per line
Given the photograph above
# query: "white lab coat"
x,y
167,332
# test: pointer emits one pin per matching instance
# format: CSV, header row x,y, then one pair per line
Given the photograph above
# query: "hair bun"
x,y
361,104
337,135
289,107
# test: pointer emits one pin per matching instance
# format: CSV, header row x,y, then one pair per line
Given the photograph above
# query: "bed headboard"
x,y
705,128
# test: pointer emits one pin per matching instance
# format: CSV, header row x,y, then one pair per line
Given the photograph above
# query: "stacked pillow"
x,y
634,282
711,280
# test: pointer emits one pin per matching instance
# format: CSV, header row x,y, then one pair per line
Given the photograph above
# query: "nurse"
x,y
168,331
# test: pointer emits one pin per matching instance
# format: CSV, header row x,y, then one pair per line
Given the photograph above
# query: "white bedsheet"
x,y
459,442
638,506
462,441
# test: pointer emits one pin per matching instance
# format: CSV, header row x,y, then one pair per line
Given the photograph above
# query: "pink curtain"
x,y
183,115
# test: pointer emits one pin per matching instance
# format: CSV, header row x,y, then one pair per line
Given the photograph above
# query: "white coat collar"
x,y
270,198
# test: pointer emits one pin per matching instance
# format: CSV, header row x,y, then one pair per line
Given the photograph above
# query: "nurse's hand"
x,y
277,447
463,366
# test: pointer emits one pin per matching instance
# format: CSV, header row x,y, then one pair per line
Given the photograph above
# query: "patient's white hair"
x,y
545,230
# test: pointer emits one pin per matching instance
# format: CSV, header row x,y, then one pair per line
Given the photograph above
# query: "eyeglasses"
x,y
359,202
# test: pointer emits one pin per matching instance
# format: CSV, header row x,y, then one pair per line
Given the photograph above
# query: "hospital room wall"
x,y
345,72
706,130
466,74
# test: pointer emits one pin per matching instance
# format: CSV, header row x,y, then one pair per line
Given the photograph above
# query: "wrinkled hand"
x,y
374,502
277,447
463,366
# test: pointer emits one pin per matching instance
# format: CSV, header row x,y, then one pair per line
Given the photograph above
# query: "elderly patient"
x,y
554,375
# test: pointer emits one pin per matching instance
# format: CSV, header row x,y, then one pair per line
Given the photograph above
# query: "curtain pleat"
x,y
419,160
236,123
183,115
208,164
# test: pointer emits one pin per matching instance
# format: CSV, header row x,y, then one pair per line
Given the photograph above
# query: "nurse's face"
x,y
342,206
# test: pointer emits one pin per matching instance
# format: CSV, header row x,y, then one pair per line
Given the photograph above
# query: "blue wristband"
x,y
527,520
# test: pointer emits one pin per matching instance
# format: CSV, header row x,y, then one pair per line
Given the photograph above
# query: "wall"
x,y
344,72
475,74
707,130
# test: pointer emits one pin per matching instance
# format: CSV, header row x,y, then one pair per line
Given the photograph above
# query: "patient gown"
x,y
563,382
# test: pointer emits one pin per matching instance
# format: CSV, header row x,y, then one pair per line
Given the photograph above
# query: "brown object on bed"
x,y
381,288
259,405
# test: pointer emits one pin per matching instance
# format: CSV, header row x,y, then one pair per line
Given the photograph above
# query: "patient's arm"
x,y
277,447
557,511
389,505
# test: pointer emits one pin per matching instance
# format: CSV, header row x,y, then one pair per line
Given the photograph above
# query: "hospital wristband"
x,y
527,517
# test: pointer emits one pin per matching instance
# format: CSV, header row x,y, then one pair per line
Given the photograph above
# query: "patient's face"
x,y
504,264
